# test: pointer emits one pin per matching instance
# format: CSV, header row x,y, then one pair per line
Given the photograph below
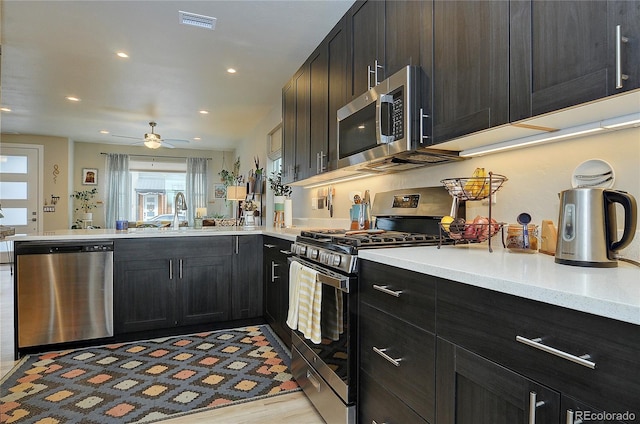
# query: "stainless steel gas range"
x,y
327,369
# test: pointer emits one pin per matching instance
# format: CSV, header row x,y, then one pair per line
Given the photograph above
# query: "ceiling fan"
x,y
153,140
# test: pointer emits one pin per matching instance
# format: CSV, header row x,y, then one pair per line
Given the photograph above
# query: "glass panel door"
x,y
19,179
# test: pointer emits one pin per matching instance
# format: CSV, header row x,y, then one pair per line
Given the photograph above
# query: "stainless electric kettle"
x,y
587,228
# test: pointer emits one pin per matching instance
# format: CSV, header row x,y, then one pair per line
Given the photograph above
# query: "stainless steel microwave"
x,y
382,130
381,121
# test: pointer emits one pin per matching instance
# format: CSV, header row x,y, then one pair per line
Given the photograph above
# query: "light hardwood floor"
x,y
289,408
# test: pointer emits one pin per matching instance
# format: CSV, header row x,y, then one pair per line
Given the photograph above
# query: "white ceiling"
x,y
54,49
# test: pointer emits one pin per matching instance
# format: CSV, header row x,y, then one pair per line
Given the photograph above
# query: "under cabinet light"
x,y
622,121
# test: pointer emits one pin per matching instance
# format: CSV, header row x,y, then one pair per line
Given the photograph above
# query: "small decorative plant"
x,y
278,188
249,206
85,200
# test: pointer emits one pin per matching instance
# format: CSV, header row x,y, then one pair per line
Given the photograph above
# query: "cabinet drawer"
x,y
153,247
408,295
377,405
412,379
488,323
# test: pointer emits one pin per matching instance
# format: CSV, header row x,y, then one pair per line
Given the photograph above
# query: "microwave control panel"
x,y
397,116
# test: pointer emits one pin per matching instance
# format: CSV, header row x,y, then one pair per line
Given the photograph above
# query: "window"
x,y
154,184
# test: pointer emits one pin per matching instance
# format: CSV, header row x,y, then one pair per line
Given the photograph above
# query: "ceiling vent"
x,y
200,21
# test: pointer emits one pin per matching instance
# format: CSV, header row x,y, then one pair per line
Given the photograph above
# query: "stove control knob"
x,y
302,250
327,258
313,253
336,260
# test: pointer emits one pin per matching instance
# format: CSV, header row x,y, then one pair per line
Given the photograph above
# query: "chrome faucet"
x,y
179,204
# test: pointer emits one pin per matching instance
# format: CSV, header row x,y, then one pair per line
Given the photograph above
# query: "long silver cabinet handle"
x,y
534,404
369,72
423,116
385,290
537,343
274,277
170,269
381,352
570,419
180,268
619,40
377,66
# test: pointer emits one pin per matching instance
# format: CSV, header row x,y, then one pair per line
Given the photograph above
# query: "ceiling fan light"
x,y
152,142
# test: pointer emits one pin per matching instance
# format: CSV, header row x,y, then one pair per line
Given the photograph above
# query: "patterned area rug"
x,y
147,381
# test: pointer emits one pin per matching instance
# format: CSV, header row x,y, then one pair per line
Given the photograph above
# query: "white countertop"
x,y
66,235
608,292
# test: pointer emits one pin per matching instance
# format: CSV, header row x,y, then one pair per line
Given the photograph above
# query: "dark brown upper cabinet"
x,y
471,67
568,52
295,128
383,38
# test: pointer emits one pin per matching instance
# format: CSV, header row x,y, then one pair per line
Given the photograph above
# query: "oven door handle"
x,y
325,276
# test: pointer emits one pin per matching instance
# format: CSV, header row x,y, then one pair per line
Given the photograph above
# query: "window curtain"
x,y
118,189
196,186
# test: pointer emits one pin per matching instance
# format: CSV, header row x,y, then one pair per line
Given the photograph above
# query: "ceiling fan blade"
x,y
125,136
139,143
175,140
167,145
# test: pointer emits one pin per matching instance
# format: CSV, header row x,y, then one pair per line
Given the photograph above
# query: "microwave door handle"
x,y
384,108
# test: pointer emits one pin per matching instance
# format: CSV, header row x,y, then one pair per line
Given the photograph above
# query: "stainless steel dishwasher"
x,y
64,291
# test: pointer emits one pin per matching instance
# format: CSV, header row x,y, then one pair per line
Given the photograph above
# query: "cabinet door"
x,y
337,87
402,26
203,289
246,286
318,111
276,287
288,132
295,115
271,283
365,25
471,61
564,53
471,389
144,291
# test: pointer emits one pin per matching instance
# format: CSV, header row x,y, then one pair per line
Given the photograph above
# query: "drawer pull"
x,y
313,380
385,290
269,246
534,404
536,343
285,252
381,352
570,419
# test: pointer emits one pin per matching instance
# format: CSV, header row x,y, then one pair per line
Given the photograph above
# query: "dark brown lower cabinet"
x,y
162,283
276,286
472,390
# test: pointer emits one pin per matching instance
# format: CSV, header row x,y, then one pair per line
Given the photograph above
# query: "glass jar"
x,y
516,240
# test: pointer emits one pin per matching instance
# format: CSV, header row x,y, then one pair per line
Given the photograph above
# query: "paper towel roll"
x,y
288,213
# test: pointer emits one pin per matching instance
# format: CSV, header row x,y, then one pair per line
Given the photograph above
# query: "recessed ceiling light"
x,y
104,132
5,109
122,55
231,71
197,138
204,112
72,99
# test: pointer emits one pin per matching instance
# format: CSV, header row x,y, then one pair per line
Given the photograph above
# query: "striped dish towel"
x,y
305,299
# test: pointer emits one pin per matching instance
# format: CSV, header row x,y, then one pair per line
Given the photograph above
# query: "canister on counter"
x,y
516,241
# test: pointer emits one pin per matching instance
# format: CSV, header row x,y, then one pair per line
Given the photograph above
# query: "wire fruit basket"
x,y
474,188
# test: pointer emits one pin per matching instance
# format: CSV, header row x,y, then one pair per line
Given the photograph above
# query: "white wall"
x,y
535,177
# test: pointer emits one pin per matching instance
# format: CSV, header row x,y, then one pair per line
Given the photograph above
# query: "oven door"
x,y
334,358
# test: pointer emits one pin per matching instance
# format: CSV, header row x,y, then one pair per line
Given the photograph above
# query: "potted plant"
x,y
85,202
280,190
